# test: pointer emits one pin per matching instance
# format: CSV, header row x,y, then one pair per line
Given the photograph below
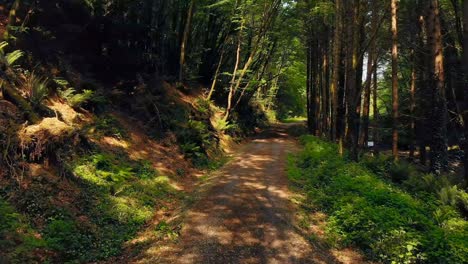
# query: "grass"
x,y
368,210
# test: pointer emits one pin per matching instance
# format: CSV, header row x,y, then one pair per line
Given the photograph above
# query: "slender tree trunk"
x,y
375,106
352,93
308,88
413,107
364,131
183,46
215,77
336,68
465,95
438,144
395,104
233,79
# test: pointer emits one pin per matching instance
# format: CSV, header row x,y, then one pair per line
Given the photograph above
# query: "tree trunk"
x,y
183,46
412,107
438,144
215,77
352,94
465,95
371,64
336,68
395,105
375,131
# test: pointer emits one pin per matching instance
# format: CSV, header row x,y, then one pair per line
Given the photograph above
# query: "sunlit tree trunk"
x,y
438,120
372,54
375,106
412,107
337,36
395,115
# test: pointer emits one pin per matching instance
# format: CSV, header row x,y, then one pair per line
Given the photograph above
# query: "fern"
x,y
12,57
62,82
3,45
36,88
69,93
223,125
78,99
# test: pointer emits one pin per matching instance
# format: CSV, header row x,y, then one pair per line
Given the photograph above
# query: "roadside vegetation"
x,y
391,211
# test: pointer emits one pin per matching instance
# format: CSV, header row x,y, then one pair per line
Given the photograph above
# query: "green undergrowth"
x,y
113,198
17,238
122,197
384,218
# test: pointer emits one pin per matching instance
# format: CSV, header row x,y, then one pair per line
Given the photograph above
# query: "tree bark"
x,y
375,106
336,69
183,46
371,64
395,115
465,95
438,144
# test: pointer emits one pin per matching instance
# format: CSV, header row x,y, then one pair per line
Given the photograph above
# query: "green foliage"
x,y
117,196
367,210
17,239
74,98
64,236
107,125
13,56
123,195
9,58
36,88
195,139
223,125
164,230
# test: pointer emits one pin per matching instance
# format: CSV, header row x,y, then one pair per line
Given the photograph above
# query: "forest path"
x,y
247,215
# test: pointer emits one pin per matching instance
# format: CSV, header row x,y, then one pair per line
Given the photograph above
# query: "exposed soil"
x,y
246,216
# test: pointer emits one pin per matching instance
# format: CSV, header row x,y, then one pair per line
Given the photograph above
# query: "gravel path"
x,y
246,216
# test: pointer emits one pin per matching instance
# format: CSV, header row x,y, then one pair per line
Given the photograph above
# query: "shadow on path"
x,y
246,216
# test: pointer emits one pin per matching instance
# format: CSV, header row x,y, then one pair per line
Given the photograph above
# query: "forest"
x,y
233,131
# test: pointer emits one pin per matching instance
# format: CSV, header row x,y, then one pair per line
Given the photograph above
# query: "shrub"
x,y
367,210
36,88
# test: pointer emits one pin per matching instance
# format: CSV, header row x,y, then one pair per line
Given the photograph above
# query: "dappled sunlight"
x,y
245,218
115,142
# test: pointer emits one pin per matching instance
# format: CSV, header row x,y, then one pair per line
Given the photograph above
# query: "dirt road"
x,y
247,216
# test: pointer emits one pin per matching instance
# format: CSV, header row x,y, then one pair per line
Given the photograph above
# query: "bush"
x,y
369,211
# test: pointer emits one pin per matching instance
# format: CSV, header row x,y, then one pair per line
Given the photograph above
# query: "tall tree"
x,y
185,38
438,143
465,92
395,104
337,38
